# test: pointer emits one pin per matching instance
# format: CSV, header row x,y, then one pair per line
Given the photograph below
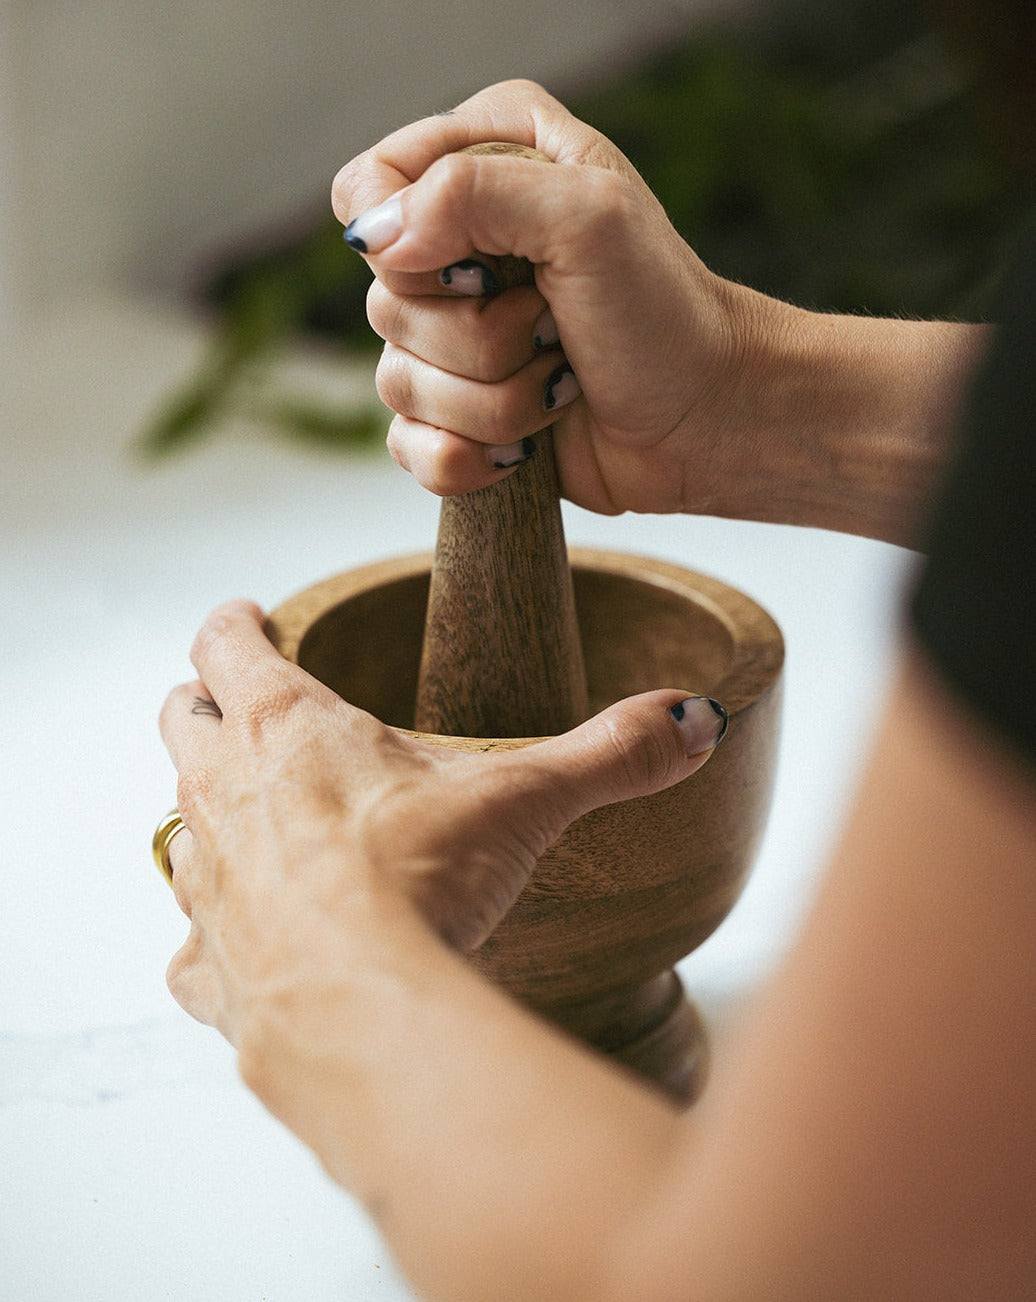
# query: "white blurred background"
x,y
136,138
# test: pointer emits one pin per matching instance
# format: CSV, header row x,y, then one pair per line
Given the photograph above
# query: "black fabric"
x,y
974,610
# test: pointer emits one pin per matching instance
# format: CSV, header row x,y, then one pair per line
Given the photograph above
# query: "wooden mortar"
x,y
632,888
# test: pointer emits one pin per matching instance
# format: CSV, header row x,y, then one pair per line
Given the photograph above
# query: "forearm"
x,y
497,1158
858,420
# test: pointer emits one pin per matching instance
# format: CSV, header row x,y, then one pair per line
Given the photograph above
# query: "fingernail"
x,y
545,332
377,228
470,277
702,723
561,388
506,455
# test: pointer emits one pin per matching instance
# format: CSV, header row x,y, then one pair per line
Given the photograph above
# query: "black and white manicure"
x,y
561,387
505,455
545,332
470,277
702,723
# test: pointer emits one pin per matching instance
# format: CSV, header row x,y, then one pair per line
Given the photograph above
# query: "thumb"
x,y
638,746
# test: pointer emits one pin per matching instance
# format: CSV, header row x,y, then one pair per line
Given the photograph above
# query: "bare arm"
x,y
868,1132
857,423
687,393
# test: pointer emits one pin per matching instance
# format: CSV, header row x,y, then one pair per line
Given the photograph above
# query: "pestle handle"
x,y
502,655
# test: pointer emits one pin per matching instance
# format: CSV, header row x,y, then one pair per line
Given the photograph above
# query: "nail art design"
x,y
353,240
561,388
545,332
377,228
505,455
702,723
470,277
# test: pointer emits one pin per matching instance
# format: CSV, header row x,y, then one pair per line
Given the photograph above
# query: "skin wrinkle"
x,y
648,763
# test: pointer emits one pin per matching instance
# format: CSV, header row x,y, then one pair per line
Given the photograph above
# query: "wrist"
x,y
837,421
306,1034
877,419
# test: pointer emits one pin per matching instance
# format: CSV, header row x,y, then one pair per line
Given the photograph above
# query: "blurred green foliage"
x,y
833,159
828,155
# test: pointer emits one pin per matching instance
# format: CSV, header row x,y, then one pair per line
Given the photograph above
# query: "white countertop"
x,y
133,1163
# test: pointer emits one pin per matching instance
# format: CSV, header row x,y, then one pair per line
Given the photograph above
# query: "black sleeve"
x,y
974,609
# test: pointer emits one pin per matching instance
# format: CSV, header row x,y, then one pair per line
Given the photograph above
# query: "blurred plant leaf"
x,y
262,305
184,417
305,421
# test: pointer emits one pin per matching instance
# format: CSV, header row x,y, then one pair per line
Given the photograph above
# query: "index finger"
x,y
230,649
519,111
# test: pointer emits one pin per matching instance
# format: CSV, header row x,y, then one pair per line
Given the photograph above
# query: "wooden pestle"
x,y
502,655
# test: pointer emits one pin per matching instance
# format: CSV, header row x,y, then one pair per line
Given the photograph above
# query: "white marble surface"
x,y
133,1163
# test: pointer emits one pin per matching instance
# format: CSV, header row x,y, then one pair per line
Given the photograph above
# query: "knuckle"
x,y
194,791
282,695
386,313
182,973
486,363
446,466
647,763
446,175
397,443
495,353
446,189
184,960
215,630
342,190
393,382
604,212
515,408
357,187
529,89
340,194
175,975
609,208
172,707
526,94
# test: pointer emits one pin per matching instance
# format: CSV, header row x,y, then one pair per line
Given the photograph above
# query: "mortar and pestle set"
x,y
631,888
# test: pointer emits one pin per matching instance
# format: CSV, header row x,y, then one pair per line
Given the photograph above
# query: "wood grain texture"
x,y
502,655
631,888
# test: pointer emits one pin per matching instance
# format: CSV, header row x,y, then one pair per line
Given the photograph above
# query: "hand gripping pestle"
x,y
502,655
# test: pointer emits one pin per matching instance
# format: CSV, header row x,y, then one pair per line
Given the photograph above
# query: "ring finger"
x,y
483,339
493,413
179,856
186,721
447,464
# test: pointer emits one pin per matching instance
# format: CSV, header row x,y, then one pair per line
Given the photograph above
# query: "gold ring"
x,y
160,842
